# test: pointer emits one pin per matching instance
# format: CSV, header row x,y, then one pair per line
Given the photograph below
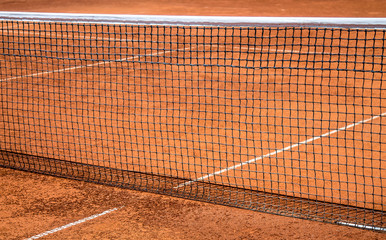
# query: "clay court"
x,y
34,204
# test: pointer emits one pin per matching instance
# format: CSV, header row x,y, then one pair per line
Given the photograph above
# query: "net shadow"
x,y
202,191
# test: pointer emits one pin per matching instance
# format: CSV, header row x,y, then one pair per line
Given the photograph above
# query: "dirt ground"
x,y
31,204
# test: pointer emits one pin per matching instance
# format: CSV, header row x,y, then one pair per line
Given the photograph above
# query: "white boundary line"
x,y
279,151
69,37
79,38
93,64
361,226
73,224
82,38
270,50
273,50
26,32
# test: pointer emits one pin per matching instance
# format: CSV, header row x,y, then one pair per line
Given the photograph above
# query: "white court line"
x,y
279,151
362,226
69,37
93,64
273,50
42,34
73,224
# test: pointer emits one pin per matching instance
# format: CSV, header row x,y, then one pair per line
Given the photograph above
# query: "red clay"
x,y
32,204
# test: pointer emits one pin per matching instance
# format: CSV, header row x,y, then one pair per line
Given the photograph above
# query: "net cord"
x,y
197,20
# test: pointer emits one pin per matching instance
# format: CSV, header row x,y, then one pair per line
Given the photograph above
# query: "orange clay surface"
x,y
32,204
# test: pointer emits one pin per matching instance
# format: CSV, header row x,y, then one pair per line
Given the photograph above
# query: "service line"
x,y
73,223
160,53
278,151
67,37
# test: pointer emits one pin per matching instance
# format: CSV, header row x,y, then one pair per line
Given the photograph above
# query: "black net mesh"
x,y
285,120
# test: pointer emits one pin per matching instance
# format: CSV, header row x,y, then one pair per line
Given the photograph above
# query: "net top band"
x,y
197,20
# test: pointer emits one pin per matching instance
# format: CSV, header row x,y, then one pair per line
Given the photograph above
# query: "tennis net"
x,y
280,115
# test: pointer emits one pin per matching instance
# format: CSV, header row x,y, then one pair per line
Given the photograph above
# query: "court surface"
x,y
222,112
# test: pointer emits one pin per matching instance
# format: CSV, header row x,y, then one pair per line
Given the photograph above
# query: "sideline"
x,y
74,223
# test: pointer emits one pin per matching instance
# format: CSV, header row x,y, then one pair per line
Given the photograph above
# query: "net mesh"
x,y
285,120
